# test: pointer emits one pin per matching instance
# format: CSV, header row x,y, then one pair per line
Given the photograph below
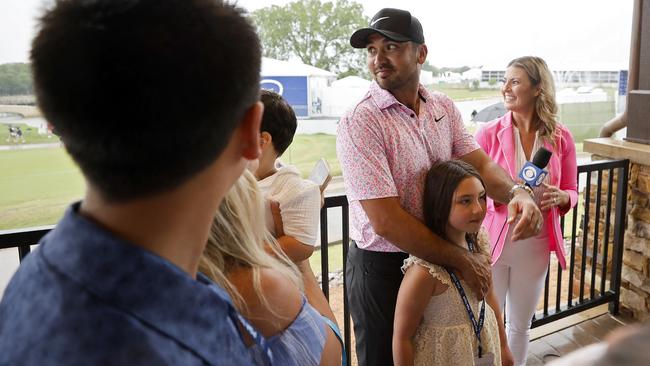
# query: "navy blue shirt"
x,y
85,297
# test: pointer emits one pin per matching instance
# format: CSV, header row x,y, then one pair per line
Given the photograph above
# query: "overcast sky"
x,y
581,33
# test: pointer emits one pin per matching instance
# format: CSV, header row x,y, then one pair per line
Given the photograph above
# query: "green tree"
x,y
15,79
318,33
458,70
428,67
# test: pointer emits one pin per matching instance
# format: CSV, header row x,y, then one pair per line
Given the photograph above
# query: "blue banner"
x,y
292,88
622,82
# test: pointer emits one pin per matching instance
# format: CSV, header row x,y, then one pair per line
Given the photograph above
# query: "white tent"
x,y
351,82
343,94
301,85
472,74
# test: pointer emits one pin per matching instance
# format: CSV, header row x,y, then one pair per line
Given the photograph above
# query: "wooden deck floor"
x,y
558,343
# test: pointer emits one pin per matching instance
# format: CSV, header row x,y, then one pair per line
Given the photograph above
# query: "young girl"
x,y
438,318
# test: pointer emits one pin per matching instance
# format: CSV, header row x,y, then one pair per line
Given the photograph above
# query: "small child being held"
x,y
299,199
293,203
438,318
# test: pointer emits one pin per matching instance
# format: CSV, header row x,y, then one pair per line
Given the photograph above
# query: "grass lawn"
x,y
307,149
334,256
458,93
36,185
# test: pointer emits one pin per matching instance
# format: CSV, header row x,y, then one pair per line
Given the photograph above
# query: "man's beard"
x,y
396,81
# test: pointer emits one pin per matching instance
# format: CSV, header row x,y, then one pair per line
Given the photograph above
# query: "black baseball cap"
x,y
395,24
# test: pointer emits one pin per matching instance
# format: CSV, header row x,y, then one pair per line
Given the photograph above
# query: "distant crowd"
x,y
15,134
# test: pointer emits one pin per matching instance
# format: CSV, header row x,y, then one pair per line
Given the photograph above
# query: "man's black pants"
x,y
373,280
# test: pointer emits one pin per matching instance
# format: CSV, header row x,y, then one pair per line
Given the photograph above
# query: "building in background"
x,y
566,74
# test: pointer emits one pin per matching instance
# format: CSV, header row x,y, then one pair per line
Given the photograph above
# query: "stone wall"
x,y
635,291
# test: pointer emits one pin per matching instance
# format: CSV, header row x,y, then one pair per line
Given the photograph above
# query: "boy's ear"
x,y
249,130
265,138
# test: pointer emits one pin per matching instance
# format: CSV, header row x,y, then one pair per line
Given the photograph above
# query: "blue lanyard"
x,y
236,318
476,325
267,354
337,332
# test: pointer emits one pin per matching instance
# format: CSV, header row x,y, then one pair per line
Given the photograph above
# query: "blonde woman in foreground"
x,y
266,288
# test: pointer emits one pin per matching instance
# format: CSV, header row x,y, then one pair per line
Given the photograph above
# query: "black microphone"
x,y
533,172
542,157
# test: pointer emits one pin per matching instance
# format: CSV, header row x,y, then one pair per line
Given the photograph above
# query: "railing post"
x,y
345,216
342,202
594,253
23,250
619,235
324,254
608,210
585,238
23,239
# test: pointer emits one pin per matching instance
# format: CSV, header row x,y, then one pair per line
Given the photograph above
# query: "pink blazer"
x,y
496,139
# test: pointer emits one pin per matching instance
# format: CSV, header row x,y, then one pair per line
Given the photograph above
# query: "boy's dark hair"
x,y
144,93
279,120
439,186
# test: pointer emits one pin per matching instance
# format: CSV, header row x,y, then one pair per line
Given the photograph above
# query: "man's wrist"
x,y
459,259
520,187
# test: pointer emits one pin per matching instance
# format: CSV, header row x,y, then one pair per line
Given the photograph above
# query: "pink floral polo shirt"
x,y
385,150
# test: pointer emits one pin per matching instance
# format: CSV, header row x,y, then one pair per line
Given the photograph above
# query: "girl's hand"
x,y
506,356
553,197
277,218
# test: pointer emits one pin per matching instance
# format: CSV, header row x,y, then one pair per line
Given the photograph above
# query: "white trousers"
x,y
518,277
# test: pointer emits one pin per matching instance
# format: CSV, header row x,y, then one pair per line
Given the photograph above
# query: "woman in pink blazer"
x,y
519,268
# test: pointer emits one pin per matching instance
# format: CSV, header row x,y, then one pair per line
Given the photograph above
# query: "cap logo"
x,y
398,25
376,20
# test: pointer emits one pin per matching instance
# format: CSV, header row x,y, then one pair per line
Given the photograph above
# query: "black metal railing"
x,y
332,202
565,305
589,259
22,239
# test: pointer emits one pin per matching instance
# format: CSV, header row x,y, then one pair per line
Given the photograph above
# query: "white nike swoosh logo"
x,y
376,20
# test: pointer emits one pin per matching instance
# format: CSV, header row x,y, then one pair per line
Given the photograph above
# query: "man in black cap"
x,y
386,144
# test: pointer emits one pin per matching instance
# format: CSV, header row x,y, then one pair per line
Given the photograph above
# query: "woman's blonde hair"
x,y
545,105
237,239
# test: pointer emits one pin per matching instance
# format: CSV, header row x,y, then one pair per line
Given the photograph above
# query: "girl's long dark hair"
x,y
439,186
